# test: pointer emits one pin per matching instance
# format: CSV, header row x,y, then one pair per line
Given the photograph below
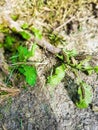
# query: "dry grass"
x,y
51,12
56,12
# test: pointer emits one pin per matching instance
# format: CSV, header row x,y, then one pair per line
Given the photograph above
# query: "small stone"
x,y
67,123
94,127
28,114
87,128
69,128
95,108
29,126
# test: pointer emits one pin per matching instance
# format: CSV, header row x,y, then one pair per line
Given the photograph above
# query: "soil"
x,y
42,107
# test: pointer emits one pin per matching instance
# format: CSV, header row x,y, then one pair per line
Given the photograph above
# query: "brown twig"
x,y
4,128
9,90
43,42
61,26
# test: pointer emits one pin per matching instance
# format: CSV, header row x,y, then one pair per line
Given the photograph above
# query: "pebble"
x,y
95,108
29,126
28,115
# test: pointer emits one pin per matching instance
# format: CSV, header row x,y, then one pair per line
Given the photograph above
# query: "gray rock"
x,y
29,126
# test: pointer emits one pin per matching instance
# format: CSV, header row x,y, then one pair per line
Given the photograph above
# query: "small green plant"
x,y
85,94
25,35
25,26
36,32
9,41
24,53
15,17
84,90
55,39
30,73
57,77
4,28
19,54
69,54
96,69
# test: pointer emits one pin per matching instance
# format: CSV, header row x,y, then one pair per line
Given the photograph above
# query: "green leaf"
x,y
15,17
14,58
36,32
89,69
85,93
25,26
84,66
30,74
60,56
23,53
96,69
9,40
14,30
69,54
21,70
1,45
33,49
58,76
25,35
4,28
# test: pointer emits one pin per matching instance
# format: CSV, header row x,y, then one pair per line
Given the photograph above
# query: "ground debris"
x,y
4,66
9,92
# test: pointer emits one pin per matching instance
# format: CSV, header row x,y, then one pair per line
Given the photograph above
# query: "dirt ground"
x,y
43,107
